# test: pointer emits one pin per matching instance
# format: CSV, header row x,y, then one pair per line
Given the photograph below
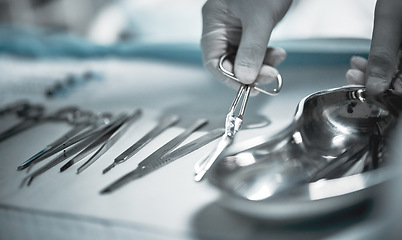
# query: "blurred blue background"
x,y
171,29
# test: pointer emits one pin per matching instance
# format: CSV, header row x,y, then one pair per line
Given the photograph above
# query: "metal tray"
x,y
280,176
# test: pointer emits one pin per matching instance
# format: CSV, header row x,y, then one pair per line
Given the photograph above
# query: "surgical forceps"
x,y
110,140
232,123
82,120
106,136
165,155
146,167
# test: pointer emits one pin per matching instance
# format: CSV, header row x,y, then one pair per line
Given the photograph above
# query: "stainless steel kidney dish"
x,y
332,155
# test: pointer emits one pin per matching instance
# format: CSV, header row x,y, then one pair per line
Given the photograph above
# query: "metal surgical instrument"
x,y
186,149
232,123
158,155
15,107
82,120
107,132
99,136
255,86
40,155
162,126
32,114
111,140
71,151
232,126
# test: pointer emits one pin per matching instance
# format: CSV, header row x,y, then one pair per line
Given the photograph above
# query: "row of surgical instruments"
x,y
93,134
99,132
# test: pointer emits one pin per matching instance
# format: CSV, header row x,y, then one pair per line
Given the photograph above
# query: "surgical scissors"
x,y
232,123
32,114
15,107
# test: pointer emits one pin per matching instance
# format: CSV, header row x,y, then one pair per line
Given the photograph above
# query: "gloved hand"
x,y
245,26
379,72
356,74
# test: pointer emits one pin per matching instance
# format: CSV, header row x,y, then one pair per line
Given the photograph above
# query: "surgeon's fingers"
x,y
355,76
387,32
258,18
274,56
220,29
252,48
267,74
359,63
218,26
398,85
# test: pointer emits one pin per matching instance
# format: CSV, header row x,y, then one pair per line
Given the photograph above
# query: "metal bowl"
x,y
332,155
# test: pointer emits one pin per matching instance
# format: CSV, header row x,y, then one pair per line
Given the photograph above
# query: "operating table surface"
x,y
167,204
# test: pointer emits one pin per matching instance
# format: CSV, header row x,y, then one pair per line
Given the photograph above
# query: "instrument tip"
x,y
22,167
79,170
199,176
108,168
30,181
66,166
106,190
82,167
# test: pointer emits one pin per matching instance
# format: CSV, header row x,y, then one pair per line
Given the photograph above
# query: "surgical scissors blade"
x,y
166,122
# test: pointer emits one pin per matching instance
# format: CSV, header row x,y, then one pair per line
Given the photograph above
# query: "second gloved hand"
x,y
358,74
244,27
382,70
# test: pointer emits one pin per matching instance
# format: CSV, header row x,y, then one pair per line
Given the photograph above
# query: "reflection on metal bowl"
x,y
332,156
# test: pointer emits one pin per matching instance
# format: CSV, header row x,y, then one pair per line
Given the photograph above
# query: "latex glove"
x,y
246,26
356,74
385,55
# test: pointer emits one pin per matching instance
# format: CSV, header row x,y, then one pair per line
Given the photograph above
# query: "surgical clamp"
x,y
232,123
